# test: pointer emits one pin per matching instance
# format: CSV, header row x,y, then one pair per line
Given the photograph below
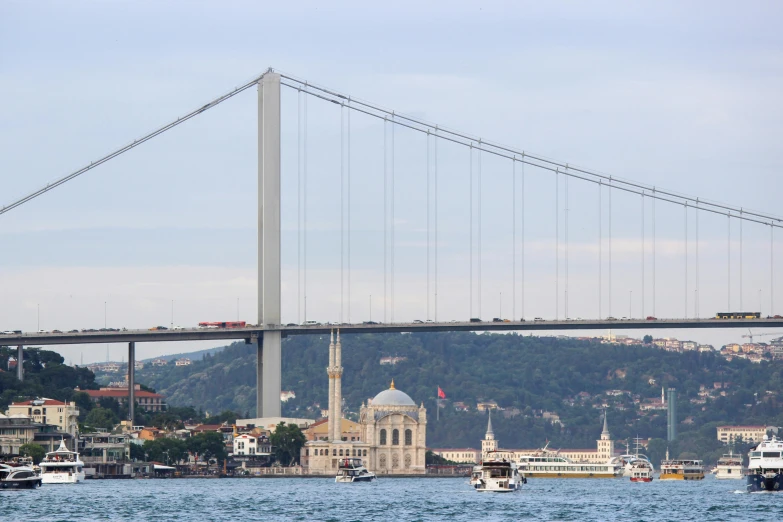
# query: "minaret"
x,y
606,444
605,433
338,389
490,433
330,372
489,443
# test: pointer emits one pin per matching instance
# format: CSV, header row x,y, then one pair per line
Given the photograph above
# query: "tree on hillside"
x,y
101,418
287,441
207,445
33,450
647,339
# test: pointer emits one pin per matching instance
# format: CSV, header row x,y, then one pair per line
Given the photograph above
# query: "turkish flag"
x,y
441,393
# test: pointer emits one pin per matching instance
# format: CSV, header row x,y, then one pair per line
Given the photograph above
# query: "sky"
x,y
683,96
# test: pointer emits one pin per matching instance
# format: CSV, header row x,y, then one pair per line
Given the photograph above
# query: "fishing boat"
x,y
352,470
499,476
62,466
765,466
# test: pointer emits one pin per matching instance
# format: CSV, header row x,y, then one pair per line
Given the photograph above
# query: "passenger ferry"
x,y
641,471
730,467
634,463
765,466
352,470
681,469
499,476
62,466
546,463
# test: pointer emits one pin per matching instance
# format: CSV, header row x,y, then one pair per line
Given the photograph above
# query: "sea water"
x,y
387,499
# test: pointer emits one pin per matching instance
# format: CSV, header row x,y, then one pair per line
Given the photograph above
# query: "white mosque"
x,y
393,430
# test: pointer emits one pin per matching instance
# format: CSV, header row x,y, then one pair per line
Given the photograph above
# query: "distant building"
x,y
146,400
689,346
159,362
184,361
459,455
487,405
287,395
138,365
392,360
17,430
728,434
461,406
49,411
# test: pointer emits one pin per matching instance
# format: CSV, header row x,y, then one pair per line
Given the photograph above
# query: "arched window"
x,y
383,437
36,412
341,453
395,437
364,453
408,437
334,453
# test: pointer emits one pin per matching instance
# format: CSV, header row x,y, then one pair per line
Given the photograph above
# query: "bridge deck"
x,y
201,334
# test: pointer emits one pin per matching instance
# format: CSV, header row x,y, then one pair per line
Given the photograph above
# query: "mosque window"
x,y
395,437
334,453
408,437
365,453
383,437
341,453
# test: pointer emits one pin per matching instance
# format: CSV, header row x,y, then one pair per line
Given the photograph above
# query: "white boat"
x,y
765,466
18,477
681,469
499,476
475,475
352,470
637,465
62,466
546,463
641,471
730,467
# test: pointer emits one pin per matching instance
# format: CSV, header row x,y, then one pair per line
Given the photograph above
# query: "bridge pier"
x,y
268,365
131,381
20,362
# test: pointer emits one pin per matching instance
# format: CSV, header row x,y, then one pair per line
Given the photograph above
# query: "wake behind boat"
x,y
352,470
62,466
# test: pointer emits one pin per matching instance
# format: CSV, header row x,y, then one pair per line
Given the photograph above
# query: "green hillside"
x,y
523,374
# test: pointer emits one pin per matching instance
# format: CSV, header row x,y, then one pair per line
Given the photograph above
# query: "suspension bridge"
x,y
478,156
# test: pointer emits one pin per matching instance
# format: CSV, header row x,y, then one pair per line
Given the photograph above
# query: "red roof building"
x,y
146,400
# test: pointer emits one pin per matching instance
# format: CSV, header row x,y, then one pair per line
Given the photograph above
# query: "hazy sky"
x,y
679,95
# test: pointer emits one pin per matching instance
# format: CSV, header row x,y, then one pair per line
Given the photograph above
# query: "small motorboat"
x,y
352,470
18,477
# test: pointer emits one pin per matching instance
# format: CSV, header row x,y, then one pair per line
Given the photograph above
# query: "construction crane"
x,y
751,335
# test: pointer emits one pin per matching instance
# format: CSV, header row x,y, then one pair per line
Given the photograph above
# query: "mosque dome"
x,y
393,397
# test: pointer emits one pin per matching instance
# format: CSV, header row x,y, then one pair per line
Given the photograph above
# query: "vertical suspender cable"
x,y
522,225
470,234
393,225
304,206
728,256
299,207
342,212
435,172
653,249
348,205
513,239
643,252
478,251
557,243
740,264
600,246
686,260
385,223
566,245
771,270
697,298
429,239
610,246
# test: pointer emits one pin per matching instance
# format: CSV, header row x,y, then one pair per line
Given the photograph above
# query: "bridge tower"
x,y
269,354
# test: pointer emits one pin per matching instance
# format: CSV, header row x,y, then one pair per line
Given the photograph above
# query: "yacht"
x,y
499,476
765,466
547,463
681,469
730,467
18,477
352,470
62,466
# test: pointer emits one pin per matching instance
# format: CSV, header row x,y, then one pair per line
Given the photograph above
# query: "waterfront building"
x,y
49,411
459,455
349,430
604,451
728,434
391,436
145,400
